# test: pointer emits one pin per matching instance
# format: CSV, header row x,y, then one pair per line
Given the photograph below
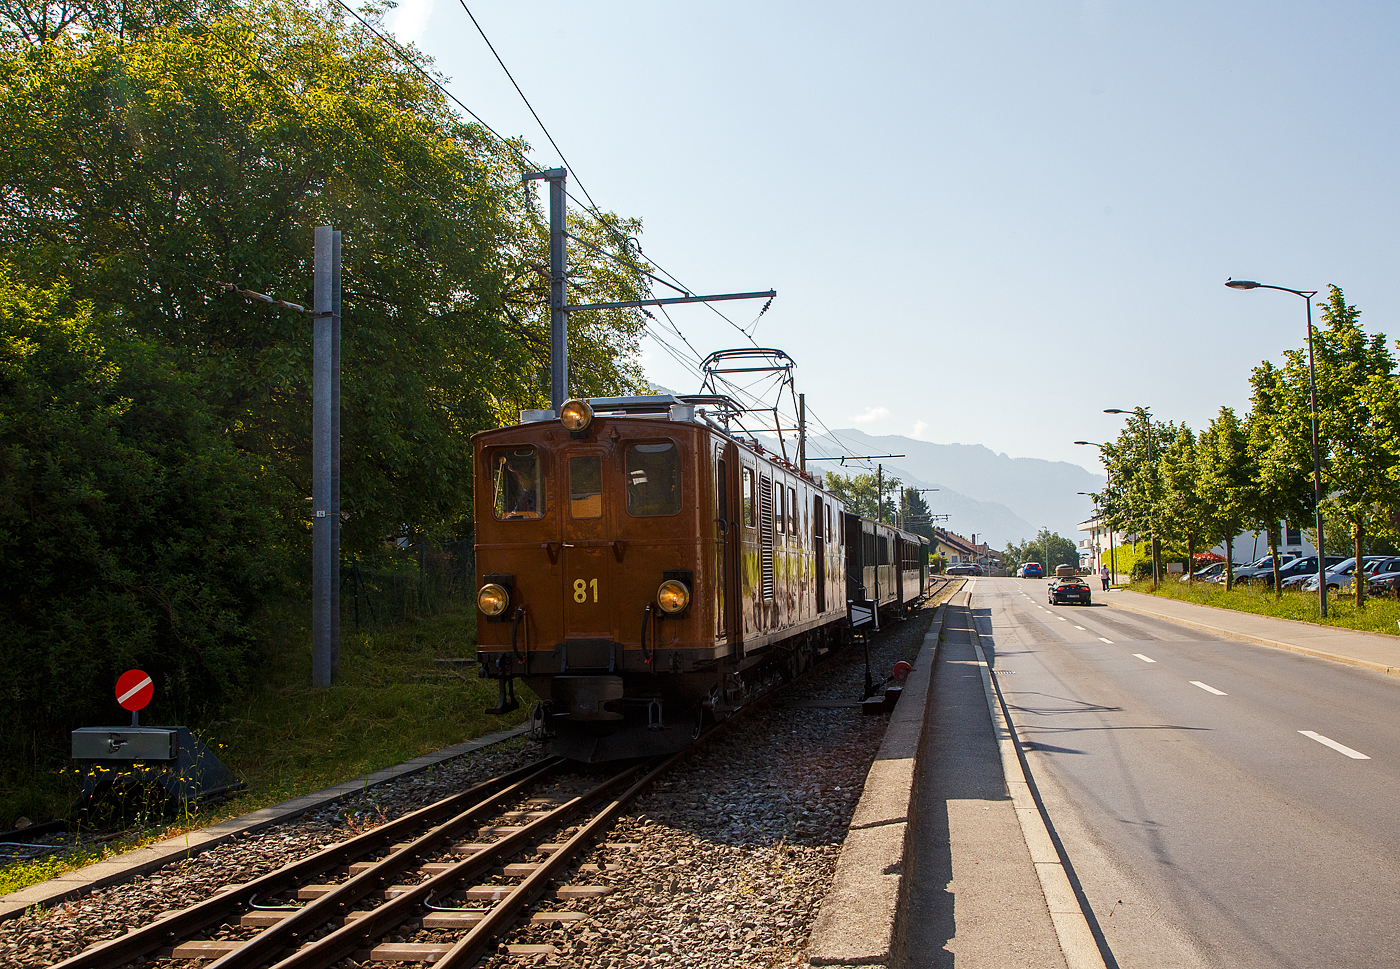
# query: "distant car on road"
x,y
964,568
1031,570
1071,589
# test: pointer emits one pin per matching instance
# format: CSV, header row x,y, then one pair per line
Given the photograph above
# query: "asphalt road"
x,y
1220,804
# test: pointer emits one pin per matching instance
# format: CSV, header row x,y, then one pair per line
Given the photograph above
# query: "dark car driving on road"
x,y
1071,589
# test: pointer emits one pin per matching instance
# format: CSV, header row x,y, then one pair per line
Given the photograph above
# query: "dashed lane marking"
x,y
1339,748
1109,641
1145,659
1062,619
1079,627
1208,688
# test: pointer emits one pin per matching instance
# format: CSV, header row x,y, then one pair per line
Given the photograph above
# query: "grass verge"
x,y
1377,616
393,702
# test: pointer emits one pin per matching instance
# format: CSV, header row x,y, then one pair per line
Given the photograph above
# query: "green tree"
x,y
916,514
858,493
1224,481
1186,518
1048,548
1358,416
209,148
1279,456
1131,499
132,531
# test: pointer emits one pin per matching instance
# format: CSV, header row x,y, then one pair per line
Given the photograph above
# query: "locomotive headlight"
x,y
493,599
576,415
673,596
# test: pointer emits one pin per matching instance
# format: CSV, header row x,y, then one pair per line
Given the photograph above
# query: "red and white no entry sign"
x,y
134,690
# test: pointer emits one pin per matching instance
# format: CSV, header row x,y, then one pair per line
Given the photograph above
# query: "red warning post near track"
x,y
134,690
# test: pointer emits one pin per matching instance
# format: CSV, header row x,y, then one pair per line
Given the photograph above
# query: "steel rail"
x,y
352,936
505,913
266,945
215,910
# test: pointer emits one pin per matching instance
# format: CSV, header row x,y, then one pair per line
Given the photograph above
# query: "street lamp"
x,y
1112,559
1098,549
1317,464
1146,416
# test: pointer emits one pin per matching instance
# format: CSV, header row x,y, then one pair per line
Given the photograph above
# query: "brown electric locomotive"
x,y
641,568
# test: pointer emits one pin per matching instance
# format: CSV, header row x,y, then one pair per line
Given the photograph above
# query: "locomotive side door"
x,y
589,592
819,553
728,546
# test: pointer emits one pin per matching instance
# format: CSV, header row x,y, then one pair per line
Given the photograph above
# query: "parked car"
x,y
1255,569
1339,578
1299,568
1070,589
1031,570
963,568
1384,583
1206,574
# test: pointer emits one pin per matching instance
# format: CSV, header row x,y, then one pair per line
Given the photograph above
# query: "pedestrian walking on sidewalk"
x,y
1103,574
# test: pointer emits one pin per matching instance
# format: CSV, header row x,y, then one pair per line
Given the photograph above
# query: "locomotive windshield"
x,y
518,484
586,487
653,479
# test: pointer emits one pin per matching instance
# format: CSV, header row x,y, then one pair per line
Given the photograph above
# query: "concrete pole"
x,y
802,432
558,315
335,462
324,645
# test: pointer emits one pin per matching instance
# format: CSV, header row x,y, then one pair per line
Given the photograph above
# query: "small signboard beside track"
x,y
134,690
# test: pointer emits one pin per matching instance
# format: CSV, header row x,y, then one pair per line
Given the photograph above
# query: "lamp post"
x,y
1112,559
1146,417
1317,464
1098,549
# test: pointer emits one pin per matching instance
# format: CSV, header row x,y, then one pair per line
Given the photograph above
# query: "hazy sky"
x,y
986,221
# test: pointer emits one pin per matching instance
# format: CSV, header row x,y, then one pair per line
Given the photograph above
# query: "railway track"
x,y
463,871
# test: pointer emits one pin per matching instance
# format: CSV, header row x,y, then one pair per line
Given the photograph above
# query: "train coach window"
x,y
519,484
586,487
748,497
796,515
653,479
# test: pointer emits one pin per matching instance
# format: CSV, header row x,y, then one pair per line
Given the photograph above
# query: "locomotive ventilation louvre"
x,y
765,531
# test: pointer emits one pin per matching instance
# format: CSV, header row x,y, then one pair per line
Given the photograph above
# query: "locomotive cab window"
x,y
653,479
518,482
586,487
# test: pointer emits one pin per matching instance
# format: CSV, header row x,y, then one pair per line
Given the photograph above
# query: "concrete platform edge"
x,y
1257,640
861,920
1077,941
145,860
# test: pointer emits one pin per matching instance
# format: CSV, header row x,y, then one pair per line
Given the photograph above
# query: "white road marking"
x,y
1146,659
1209,689
1078,627
1109,641
1062,619
1339,748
